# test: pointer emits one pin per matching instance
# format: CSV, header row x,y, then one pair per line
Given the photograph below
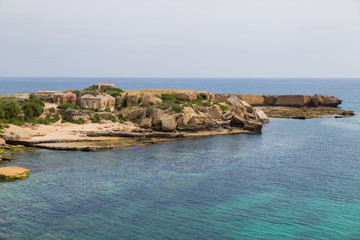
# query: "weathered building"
x,y
61,98
100,86
97,102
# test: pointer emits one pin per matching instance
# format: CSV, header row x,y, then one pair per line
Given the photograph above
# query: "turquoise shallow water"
x,y
297,180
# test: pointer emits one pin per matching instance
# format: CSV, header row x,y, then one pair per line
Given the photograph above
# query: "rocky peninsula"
x,y
104,116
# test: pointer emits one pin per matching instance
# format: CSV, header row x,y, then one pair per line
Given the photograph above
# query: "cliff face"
x,y
284,100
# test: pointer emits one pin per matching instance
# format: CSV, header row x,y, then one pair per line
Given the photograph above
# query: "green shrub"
x,y
96,118
77,93
112,89
170,101
107,109
52,110
199,97
139,100
68,106
9,109
115,94
223,108
123,119
177,108
112,118
32,109
168,97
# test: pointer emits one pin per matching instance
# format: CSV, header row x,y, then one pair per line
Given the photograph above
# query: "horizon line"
x,y
185,77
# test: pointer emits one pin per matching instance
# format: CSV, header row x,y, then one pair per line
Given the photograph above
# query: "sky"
x,y
180,38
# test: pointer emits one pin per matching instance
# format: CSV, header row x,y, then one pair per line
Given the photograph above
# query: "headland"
x,y
103,116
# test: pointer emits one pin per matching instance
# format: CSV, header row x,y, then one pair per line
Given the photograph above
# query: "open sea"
x,y
298,179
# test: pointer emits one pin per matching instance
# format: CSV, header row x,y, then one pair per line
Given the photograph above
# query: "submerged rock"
x,y
13,173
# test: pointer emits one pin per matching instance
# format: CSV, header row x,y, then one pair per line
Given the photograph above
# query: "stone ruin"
x,y
101,86
97,102
61,98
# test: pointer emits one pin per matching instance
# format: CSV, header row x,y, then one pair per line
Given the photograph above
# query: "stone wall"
x,y
99,102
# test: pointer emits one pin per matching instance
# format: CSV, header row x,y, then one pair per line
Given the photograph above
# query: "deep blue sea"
x,y
299,179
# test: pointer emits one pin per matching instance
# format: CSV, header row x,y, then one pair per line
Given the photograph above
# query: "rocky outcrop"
x,y
2,142
150,100
206,95
157,117
168,124
146,123
13,173
242,115
214,112
186,96
283,100
304,112
132,100
252,99
262,116
326,100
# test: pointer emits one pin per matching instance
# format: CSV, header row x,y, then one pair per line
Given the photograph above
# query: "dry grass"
x,y
17,95
158,91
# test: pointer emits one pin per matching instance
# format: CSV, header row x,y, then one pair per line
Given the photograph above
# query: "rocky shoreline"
x,y
104,117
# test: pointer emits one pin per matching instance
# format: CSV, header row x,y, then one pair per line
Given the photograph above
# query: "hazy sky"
x,y
180,38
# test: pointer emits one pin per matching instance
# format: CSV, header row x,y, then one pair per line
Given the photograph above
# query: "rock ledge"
x,y
13,173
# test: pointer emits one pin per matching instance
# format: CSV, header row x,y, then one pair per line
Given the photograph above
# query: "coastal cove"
x,y
293,180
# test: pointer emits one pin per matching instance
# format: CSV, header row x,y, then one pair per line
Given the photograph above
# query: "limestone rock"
x,y
132,100
234,100
149,100
168,124
238,109
6,158
222,97
238,121
197,120
262,116
290,100
118,101
252,99
249,108
206,95
327,100
2,142
145,123
157,117
186,96
228,115
187,113
214,112
136,113
253,126
13,173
